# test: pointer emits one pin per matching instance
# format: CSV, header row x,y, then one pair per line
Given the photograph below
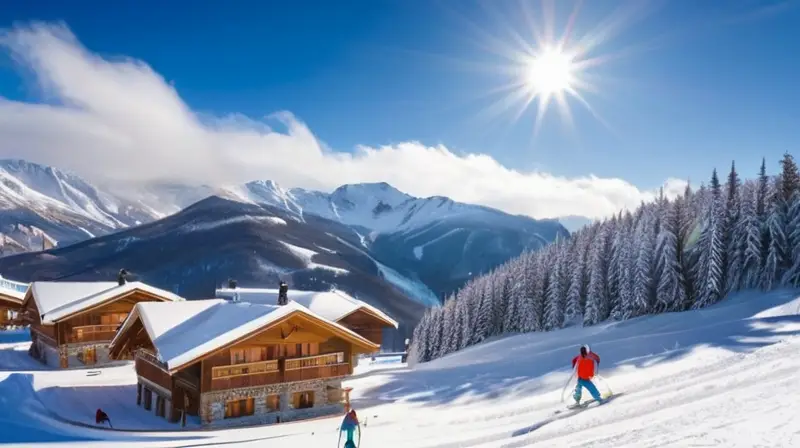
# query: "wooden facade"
x,y
81,338
366,324
298,348
10,307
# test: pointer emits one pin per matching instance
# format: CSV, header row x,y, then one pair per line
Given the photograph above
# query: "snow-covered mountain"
x,y
376,207
42,206
431,246
435,240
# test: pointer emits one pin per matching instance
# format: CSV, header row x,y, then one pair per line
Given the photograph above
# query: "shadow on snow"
x,y
536,362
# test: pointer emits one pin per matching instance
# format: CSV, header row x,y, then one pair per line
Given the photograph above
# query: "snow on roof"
x,y
332,305
57,300
184,331
12,288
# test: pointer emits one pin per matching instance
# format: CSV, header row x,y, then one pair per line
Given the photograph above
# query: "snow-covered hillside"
x,y
722,376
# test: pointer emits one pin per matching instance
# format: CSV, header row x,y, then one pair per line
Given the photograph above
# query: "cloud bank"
x,y
118,119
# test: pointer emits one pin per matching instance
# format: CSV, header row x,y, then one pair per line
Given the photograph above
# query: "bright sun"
x,y
541,67
550,73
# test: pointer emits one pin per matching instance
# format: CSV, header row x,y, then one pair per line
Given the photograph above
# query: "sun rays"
x,y
539,67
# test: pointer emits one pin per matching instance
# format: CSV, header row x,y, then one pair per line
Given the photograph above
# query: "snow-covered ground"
x,y
724,376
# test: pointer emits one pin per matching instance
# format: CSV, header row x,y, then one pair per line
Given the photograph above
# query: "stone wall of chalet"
x,y
212,404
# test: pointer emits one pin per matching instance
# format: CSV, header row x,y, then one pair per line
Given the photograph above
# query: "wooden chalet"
x,y
334,305
235,363
11,296
72,323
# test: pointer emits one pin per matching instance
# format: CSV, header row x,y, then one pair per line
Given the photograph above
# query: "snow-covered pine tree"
x,y
710,269
420,343
776,252
597,300
733,254
554,301
750,225
450,328
577,274
512,287
528,318
627,274
540,279
671,288
614,264
464,311
792,275
643,288
764,198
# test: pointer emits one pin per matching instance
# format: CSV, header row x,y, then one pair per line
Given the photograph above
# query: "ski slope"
x,y
723,376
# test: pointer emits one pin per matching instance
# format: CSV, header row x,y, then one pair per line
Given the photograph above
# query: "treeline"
x,y
667,255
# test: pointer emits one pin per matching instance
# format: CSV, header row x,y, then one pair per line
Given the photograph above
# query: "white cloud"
x,y
118,119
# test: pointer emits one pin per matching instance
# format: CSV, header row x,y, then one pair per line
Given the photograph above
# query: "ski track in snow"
x,y
723,376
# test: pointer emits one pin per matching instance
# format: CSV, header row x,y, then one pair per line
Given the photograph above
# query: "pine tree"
x,y
555,294
790,178
597,300
710,264
733,254
643,267
792,275
671,289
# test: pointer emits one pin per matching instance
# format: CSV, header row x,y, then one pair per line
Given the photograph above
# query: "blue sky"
x,y
695,84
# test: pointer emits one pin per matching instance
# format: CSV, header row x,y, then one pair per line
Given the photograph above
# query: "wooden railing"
x,y
246,375
88,333
146,355
278,371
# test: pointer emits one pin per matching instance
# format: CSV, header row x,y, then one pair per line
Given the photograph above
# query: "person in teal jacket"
x,y
349,425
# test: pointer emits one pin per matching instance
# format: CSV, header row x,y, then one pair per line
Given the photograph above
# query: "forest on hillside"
x,y
668,255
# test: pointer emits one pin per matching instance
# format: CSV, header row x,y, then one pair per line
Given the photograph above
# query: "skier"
x,y
585,370
102,417
349,424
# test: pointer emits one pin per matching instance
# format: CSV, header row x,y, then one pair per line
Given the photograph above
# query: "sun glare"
x,y
541,66
549,73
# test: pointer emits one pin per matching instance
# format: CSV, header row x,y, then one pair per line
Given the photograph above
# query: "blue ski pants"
x,y
589,385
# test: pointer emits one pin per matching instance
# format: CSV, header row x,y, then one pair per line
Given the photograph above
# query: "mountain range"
x,y
367,238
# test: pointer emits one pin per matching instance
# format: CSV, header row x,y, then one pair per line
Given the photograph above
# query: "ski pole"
x,y
574,369
608,386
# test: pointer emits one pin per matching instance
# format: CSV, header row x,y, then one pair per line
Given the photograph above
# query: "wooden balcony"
x,y
279,371
313,367
93,333
245,375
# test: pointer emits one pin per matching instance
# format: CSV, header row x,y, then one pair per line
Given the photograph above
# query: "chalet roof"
x,y
332,305
182,332
11,290
56,300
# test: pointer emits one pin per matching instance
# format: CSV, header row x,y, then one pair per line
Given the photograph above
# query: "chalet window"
x,y
273,403
113,318
303,400
239,408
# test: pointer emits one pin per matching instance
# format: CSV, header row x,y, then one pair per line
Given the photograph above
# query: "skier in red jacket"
x,y
584,364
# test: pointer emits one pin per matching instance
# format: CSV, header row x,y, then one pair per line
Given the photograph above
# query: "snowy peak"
x,y
40,202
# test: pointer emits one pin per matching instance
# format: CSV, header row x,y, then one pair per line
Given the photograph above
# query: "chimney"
x,y
283,289
122,278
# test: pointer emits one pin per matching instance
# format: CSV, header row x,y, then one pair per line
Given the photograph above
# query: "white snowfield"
x,y
723,376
